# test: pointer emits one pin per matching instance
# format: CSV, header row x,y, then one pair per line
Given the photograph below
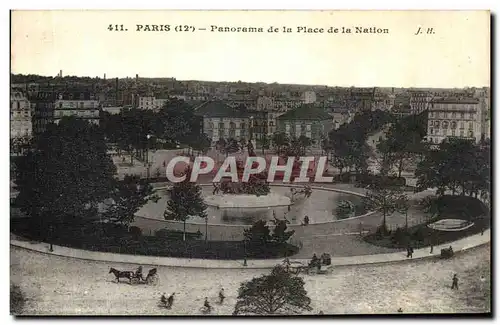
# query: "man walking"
x,y
454,284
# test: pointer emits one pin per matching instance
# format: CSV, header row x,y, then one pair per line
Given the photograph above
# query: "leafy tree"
x,y
185,201
130,195
67,174
258,236
280,235
280,292
459,166
264,143
404,141
202,143
232,146
280,140
384,200
180,122
221,145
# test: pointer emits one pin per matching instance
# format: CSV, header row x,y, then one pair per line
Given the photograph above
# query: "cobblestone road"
x,y
62,286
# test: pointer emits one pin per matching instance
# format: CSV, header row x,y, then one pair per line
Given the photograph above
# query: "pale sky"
x,y
79,43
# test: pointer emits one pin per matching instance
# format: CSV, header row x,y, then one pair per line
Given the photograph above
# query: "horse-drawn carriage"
x,y
315,266
136,277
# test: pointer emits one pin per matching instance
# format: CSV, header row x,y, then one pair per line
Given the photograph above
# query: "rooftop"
x,y
220,109
306,112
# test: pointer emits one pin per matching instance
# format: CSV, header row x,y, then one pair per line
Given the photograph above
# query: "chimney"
x,y
116,92
104,76
60,73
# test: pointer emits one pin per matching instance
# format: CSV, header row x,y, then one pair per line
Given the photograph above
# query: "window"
x,y
210,125
461,125
461,133
445,124
60,105
453,133
436,124
462,115
232,125
453,125
432,131
242,126
454,115
470,126
271,123
471,116
221,125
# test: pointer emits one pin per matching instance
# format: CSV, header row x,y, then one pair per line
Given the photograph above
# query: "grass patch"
x,y
446,207
118,239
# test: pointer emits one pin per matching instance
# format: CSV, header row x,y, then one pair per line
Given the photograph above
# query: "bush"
x,y
382,231
177,234
400,237
344,209
135,232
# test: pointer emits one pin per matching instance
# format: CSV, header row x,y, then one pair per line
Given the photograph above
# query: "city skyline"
x,y
46,42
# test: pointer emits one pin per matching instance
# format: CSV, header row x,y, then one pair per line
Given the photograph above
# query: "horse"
x,y
122,274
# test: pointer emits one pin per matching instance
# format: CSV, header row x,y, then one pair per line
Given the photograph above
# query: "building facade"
x,y
152,103
454,117
419,101
81,105
20,116
310,121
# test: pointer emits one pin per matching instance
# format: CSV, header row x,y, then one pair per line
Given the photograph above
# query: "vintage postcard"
x,y
250,163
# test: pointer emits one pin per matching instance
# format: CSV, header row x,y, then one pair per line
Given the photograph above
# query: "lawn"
x,y
446,207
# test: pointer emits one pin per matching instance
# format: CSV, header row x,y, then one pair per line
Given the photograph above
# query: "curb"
x,y
241,267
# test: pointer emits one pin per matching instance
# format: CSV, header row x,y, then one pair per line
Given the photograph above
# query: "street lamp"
x,y
147,155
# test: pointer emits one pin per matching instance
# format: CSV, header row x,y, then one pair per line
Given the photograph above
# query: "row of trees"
x,y
138,130
347,145
403,143
69,173
458,165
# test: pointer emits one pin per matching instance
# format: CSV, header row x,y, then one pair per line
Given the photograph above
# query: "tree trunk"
x,y
400,167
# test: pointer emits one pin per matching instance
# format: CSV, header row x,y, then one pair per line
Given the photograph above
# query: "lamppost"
x,y
206,229
147,155
51,231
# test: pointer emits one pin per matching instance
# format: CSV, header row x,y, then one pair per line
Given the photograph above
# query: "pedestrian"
x,y
482,230
454,284
432,248
409,252
245,262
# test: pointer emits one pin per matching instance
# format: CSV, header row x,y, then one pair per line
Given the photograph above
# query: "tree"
x,y
280,140
280,235
129,196
201,143
232,146
264,143
258,236
221,145
67,174
179,121
280,292
384,200
185,201
459,166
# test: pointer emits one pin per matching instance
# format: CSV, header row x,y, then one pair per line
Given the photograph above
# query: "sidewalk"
x,y
459,245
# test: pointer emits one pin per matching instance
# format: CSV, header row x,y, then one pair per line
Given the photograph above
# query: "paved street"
x,y
62,286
